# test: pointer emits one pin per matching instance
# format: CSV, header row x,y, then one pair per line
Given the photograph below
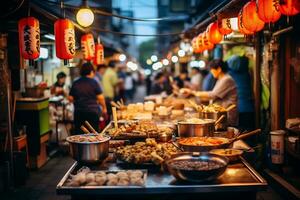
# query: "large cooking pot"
x,y
215,115
188,129
187,143
89,152
197,175
205,127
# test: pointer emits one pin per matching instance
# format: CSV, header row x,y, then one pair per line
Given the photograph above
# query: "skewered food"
x,y
146,152
202,141
86,177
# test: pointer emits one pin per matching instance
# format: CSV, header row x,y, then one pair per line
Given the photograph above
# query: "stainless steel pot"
x,y
89,152
215,115
187,129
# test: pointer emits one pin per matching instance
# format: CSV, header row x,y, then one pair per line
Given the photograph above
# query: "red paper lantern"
x,y
268,10
64,39
207,45
241,26
250,18
200,45
99,54
29,38
194,45
224,26
289,7
213,33
88,46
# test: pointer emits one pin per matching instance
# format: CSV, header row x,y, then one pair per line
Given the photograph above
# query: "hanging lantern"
x,y
99,54
207,45
250,18
200,45
289,7
88,46
268,10
64,39
29,38
224,26
241,26
194,44
213,33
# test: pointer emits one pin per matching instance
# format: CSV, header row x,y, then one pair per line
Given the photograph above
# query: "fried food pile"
x,y
146,152
143,128
213,108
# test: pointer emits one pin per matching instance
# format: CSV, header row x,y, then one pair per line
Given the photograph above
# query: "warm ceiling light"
x,y
85,16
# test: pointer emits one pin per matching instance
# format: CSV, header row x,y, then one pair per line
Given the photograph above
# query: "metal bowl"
x,y
197,175
89,152
187,129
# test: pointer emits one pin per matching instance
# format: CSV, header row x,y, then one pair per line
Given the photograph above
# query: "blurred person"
x,y
159,83
224,92
129,86
110,82
57,89
120,94
208,82
182,79
196,79
87,96
238,69
99,74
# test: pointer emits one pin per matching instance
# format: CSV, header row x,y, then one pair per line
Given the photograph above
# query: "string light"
x,y
85,16
174,59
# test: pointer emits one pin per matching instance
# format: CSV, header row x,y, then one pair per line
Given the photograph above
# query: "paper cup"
x,y
277,146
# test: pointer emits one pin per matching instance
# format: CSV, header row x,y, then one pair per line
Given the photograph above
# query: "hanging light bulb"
x,y
85,16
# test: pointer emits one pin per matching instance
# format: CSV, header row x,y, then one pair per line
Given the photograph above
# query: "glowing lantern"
x,y
289,7
194,45
99,54
224,26
241,26
29,38
206,43
213,33
250,18
200,45
64,39
88,46
268,10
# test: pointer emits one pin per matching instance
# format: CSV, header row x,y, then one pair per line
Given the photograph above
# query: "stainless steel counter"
x,y
239,178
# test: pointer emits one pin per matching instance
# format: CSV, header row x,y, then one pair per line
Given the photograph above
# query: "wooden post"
x,y
275,87
257,80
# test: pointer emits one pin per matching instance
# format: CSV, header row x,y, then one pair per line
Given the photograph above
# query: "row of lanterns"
x,y
251,18
29,41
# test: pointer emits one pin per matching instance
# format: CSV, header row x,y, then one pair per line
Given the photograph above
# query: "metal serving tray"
x,y
239,177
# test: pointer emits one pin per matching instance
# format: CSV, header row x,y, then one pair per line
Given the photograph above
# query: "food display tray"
x,y
238,177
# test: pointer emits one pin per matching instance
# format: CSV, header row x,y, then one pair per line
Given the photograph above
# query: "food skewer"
x,y
85,130
114,104
89,126
114,113
230,107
